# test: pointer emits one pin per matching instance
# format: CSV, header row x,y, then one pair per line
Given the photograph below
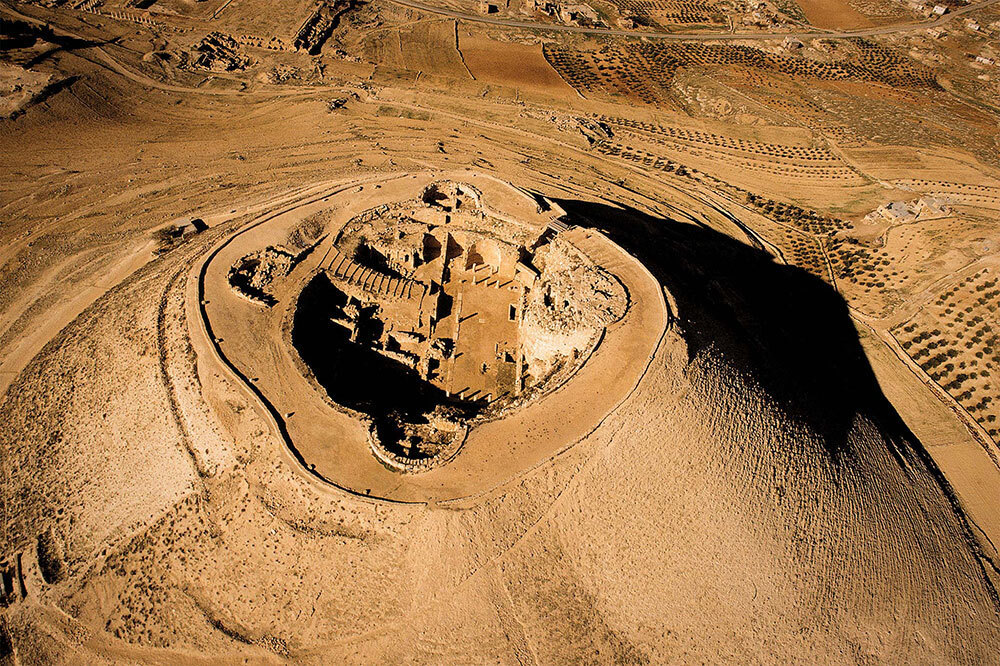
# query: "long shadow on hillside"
x,y
788,329
21,35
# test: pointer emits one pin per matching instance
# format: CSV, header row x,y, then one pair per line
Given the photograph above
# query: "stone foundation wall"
x,y
404,465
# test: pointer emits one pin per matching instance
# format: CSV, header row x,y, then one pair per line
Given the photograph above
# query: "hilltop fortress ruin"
x,y
469,311
434,310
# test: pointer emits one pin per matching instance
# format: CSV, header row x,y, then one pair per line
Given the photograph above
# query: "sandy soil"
x,y
519,66
833,14
335,445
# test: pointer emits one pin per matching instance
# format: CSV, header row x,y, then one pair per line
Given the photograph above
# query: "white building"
x,y
907,211
792,44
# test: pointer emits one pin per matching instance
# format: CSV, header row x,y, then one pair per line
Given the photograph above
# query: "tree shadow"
x,y
787,329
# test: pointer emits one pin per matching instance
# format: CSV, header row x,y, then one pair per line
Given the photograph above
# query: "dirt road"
x,y
60,315
696,36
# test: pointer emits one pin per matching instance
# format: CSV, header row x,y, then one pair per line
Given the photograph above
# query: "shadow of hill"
x,y
16,34
785,328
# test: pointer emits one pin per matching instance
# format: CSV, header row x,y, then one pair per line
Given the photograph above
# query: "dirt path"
x,y
111,62
960,412
63,313
959,447
917,301
20,306
637,339
497,451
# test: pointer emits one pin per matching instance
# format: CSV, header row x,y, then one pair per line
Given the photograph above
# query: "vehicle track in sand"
x,y
169,385
106,59
113,63
62,314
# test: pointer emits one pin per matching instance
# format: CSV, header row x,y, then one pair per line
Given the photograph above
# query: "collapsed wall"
x,y
574,301
252,275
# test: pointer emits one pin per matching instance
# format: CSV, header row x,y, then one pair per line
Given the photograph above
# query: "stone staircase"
x,y
558,226
376,282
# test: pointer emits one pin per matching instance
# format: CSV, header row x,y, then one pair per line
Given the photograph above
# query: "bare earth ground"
x,y
833,14
783,466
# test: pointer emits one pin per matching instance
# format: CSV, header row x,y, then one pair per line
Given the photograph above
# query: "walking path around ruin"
x,y
110,61
705,360
61,315
704,196
203,334
696,36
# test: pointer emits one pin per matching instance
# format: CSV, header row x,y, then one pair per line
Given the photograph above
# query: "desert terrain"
x,y
443,331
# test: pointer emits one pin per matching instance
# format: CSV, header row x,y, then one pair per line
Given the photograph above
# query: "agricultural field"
x,y
955,340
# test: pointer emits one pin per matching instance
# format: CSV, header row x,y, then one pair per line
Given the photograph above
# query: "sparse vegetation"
x,y
974,347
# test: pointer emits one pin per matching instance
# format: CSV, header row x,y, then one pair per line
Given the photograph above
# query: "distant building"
x,y
193,226
985,60
908,211
543,6
792,44
576,13
897,211
939,10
